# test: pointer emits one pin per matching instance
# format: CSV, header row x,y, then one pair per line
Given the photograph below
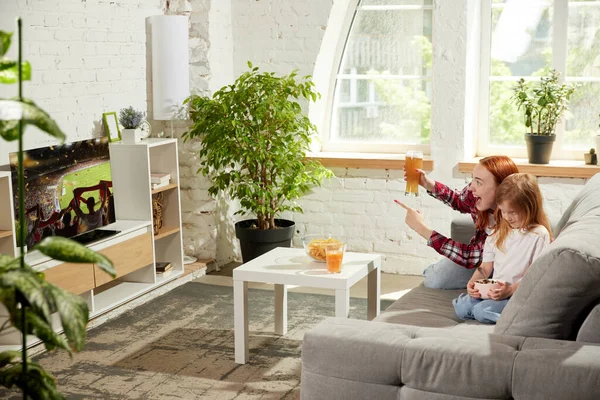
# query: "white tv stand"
x,y
134,250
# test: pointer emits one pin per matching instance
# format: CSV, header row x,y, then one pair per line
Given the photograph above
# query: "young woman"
x,y
521,233
478,199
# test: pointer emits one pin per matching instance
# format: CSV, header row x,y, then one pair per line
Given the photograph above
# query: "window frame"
x,y
559,62
325,127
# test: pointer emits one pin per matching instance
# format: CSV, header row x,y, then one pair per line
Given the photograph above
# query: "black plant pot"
x,y
255,242
539,148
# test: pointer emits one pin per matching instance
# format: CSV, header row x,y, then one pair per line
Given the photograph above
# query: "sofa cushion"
x,y
585,203
477,366
559,287
590,330
317,387
408,393
356,350
574,372
423,307
453,361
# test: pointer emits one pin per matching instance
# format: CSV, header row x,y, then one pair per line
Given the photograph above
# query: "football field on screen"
x,y
83,178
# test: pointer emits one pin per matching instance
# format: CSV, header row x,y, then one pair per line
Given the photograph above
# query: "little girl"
x,y
520,235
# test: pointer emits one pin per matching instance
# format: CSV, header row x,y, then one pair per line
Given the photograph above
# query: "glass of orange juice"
x,y
334,254
413,160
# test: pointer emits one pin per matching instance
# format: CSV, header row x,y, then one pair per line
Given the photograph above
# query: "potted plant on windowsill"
x,y
591,158
543,106
253,142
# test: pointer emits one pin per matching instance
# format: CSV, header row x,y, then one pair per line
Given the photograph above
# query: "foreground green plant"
x,y
253,142
544,104
29,299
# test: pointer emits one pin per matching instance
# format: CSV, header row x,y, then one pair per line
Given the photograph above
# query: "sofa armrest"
x,y
458,361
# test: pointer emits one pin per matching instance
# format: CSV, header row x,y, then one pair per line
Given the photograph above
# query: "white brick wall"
x,y
283,35
87,57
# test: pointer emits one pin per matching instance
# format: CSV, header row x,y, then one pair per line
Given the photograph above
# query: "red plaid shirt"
x,y
467,255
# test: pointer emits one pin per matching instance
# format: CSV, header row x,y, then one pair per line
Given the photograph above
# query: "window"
x,y
525,39
382,96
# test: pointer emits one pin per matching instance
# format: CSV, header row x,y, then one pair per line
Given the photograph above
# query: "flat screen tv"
x,y
68,190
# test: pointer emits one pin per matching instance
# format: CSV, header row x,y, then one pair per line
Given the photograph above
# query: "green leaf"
x,y
9,73
11,111
5,38
6,357
10,376
6,261
73,313
43,330
30,286
64,249
39,384
9,130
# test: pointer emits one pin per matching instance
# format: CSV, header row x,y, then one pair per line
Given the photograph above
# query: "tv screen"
x,y
68,189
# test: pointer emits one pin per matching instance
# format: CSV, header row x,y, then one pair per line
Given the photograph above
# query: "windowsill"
x,y
365,160
556,168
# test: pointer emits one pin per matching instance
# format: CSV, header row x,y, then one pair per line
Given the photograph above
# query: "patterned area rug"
x,y
180,346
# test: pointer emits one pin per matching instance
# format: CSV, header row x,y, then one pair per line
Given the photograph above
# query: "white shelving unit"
x,y
140,160
134,251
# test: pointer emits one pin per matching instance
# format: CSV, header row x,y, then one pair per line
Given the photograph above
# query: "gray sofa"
x,y
546,344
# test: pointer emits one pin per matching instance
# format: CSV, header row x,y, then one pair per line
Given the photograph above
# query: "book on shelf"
x,y
159,185
164,274
163,266
159,178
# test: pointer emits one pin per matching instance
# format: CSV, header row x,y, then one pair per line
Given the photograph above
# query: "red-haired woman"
x,y
478,199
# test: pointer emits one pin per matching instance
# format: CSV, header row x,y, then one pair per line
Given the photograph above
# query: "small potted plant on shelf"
x,y
30,301
543,106
135,127
253,143
591,157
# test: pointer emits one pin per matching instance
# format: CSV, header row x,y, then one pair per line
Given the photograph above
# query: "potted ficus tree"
x,y
543,104
253,143
28,298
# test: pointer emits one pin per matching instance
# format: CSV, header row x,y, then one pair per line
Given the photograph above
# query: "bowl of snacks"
x,y
315,245
485,285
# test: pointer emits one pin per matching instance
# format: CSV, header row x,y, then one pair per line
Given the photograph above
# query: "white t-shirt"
x,y
521,248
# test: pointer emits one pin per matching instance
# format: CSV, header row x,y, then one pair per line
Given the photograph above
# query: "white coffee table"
x,y
286,266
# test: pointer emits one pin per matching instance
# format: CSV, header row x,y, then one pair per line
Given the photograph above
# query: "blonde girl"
x,y
522,231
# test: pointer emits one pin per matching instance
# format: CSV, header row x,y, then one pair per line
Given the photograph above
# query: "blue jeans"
x,y
446,274
485,311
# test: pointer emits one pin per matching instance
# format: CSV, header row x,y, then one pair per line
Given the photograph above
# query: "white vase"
x,y
130,136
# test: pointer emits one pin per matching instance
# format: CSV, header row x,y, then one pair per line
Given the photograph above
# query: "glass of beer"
x,y
334,254
413,161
